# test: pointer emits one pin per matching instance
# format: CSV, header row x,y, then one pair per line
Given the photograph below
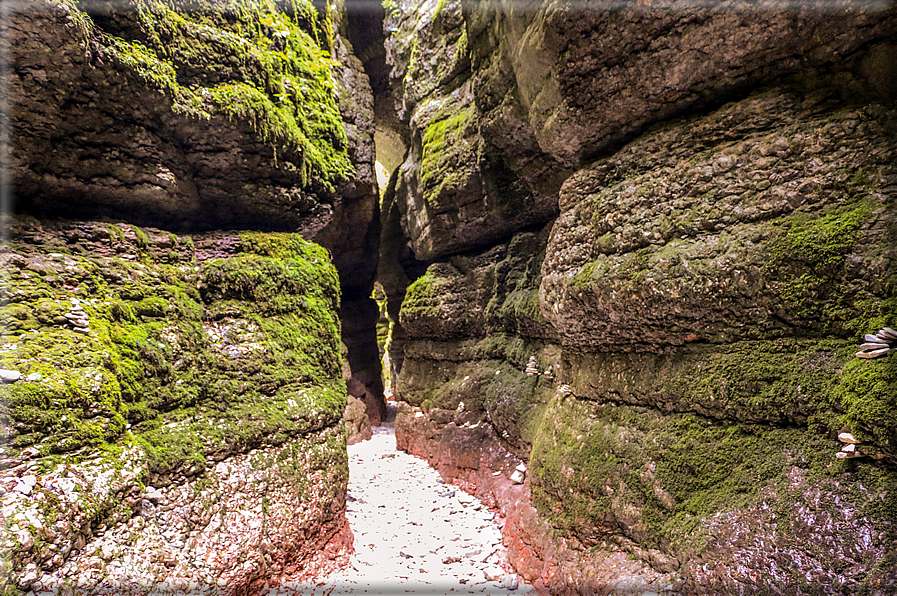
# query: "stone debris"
x,y
77,318
185,536
851,448
531,367
846,437
413,532
519,474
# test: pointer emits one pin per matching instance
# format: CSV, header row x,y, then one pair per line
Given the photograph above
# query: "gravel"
x,y
413,532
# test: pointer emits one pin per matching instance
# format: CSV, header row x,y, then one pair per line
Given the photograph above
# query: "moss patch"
x,y
271,68
601,470
443,143
421,298
250,358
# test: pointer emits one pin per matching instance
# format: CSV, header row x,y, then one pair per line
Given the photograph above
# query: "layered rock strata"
x,y
185,430
655,239
173,400
202,116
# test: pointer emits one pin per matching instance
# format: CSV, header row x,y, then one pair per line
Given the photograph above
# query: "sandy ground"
x,y
413,533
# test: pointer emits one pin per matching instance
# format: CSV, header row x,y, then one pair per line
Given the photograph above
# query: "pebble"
x,y
25,484
413,532
9,376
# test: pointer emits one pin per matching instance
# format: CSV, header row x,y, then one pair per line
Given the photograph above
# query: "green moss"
x,y
815,384
601,469
823,241
807,258
143,240
443,140
461,50
188,385
392,7
867,395
275,67
147,65
421,298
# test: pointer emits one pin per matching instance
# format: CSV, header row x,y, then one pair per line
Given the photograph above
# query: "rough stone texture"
x,y
185,429
771,214
196,121
353,237
695,228
465,452
179,160
358,426
454,191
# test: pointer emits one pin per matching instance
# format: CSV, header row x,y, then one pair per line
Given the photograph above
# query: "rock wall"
x,y
654,238
172,401
203,116
176,420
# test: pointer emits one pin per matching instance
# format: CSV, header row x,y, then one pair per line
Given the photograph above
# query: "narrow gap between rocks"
x,y
413,532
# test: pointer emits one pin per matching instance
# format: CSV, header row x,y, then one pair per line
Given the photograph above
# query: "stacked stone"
x,y
531,367
878,344
77,318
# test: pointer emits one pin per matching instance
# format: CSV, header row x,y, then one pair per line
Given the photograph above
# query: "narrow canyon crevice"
x,y
628,254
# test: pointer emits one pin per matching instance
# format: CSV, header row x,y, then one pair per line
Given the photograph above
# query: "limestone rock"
x,y
358,426
10,376
185,322
689,236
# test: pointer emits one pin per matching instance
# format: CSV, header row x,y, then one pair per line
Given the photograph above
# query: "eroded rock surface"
x,y
655,239
203,118
178,419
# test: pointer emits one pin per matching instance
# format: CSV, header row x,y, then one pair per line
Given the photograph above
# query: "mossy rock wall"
x,y
694,389
206,362
199,116
203,115
670,343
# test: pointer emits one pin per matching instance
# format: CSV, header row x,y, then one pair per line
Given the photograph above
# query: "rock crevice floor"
x,y
413,532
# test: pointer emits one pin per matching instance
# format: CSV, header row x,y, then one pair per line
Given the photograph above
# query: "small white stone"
x,y
517,477
25,539
25,484
847,438
509,582
9,376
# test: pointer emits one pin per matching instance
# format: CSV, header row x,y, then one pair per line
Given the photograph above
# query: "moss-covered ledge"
x,y
682,490
205,115
144,358
258,62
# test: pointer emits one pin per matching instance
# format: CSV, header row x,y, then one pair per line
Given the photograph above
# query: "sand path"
x,y
414,533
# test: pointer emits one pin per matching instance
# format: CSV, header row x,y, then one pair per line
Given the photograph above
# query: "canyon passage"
x,y
624,271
